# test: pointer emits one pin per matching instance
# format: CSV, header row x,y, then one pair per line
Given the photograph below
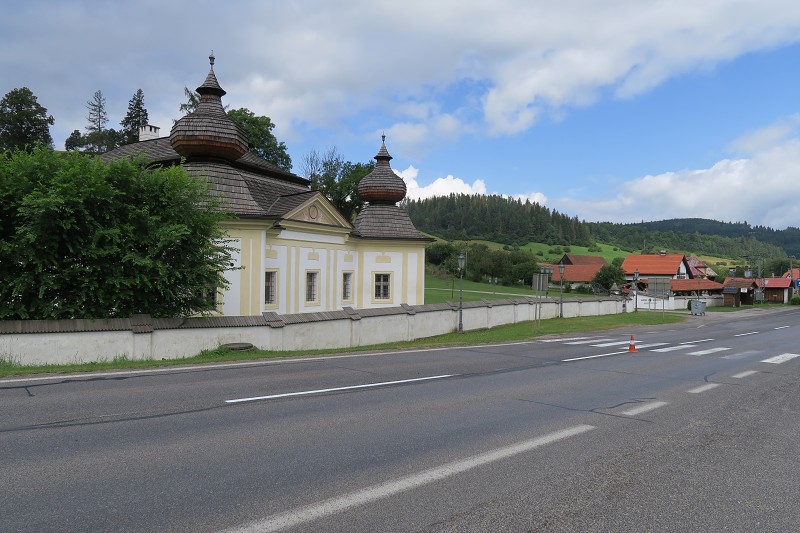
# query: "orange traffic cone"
x,y
632,346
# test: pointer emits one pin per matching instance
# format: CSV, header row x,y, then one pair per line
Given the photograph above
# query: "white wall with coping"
x,y
308,333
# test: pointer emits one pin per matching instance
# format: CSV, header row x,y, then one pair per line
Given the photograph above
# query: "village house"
x,y
294,251
578,269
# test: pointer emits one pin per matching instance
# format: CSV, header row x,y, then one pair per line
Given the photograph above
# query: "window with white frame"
x,y
382,286
270,287
347,286
312,291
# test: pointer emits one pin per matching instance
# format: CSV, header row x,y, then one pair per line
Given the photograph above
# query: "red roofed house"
x,y
695,287
776,290
655,270
698,269
578,269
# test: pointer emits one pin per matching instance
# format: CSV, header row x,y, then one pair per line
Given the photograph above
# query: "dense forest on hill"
x,y
498,219
513,222
744,233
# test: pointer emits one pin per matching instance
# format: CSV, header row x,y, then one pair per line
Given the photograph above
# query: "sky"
x,y
613,110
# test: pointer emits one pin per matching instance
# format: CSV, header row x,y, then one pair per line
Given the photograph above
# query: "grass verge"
x,y
508,333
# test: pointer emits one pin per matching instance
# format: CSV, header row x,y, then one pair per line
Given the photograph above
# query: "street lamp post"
x,y
561,300
461,263
636,289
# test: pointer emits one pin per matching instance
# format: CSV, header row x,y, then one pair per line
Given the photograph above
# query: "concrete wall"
x,y
142,337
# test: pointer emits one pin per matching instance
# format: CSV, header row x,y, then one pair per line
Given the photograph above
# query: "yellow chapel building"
x,y
294,252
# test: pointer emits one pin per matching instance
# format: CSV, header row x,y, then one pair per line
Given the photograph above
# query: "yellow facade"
x,y
312,261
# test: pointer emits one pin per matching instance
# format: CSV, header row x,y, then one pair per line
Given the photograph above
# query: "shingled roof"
x,y
212,147
653,264
381,218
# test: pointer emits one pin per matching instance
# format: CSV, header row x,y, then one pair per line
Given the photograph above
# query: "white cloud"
x,y
768,137
761,189
319,63
532,197
439,187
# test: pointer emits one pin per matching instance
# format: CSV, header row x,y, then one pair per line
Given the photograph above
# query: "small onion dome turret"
x,y
208,131
382,185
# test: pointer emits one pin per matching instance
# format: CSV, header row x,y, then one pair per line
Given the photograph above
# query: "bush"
x,y
795,299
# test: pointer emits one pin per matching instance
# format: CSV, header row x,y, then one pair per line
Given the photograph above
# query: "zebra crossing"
x,y
665,347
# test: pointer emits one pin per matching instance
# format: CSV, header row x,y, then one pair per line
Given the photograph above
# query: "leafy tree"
x,y
135,119
75,141
337,179
608,275
83,239
262,141
23,121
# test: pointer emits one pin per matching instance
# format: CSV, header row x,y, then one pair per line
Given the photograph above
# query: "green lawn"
x,y
438,290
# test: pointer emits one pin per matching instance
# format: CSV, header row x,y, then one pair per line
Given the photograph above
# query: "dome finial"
x,y
211,59
383,137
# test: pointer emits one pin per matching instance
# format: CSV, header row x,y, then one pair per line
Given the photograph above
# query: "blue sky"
x,y
617,111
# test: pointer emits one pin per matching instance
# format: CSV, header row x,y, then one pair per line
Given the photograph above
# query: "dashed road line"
x,y
709,351
741,355
586,341
703,388
674,348
337,389
643,408
564,340
649,345
303,515
592,356
744,374
746,334
782,327
782,358
607,344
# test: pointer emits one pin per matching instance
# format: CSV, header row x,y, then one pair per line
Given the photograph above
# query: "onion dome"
x,y
382,185
208,131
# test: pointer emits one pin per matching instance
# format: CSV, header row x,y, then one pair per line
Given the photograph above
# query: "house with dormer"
x,y
294,252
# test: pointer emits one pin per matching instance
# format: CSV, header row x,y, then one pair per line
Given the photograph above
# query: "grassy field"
x,y
509,333
546,253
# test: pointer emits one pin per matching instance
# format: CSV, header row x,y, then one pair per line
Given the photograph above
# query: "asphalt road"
x,y
695,431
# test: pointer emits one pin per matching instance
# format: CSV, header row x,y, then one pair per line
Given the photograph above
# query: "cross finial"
x,y
211,59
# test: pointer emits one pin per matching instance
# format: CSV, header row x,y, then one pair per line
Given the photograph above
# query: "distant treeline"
x,y
700,230
497,219
513,222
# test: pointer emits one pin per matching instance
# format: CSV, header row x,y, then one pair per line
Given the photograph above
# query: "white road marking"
x,y
782,327
782,358
744,374
606,344
587,341
695,342
644,346
564,340
745,334
678,347
703,388
643,408
741,355
592,356
336,389
303,515
710,350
